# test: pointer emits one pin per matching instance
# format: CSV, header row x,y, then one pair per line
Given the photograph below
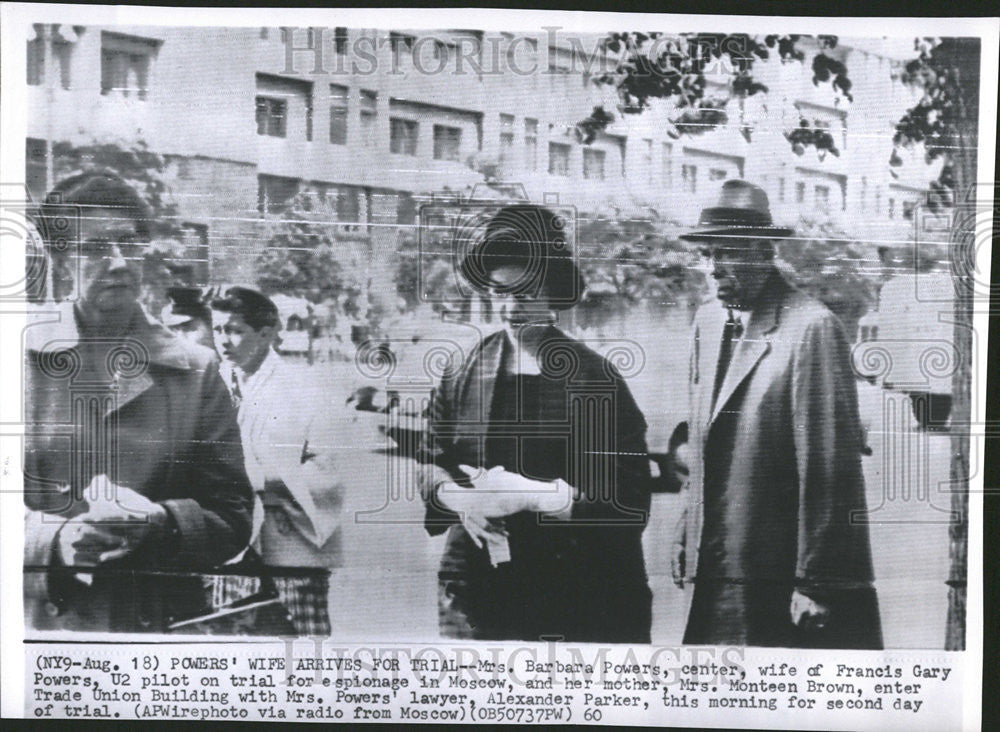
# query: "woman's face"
x,y
523,306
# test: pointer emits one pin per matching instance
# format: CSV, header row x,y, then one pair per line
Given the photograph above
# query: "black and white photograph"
x,y
621,332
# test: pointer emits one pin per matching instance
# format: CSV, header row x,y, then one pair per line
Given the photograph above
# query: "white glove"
x,y
807,613
113,525
503,493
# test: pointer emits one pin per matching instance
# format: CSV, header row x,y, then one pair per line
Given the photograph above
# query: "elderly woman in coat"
x,y
133,472
538,468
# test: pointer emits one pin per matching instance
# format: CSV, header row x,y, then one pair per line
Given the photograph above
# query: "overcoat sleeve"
x,y
833,546
623,443
214,522
438,463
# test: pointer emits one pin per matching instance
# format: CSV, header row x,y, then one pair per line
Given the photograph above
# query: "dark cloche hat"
x,y
256,308
743,211
532,238
186,304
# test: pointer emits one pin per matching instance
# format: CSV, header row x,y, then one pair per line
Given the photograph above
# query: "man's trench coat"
x,y
776,493
174,439
580,580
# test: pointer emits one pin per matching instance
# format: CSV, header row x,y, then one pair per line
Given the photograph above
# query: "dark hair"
x,y
531,238
256,308
93,189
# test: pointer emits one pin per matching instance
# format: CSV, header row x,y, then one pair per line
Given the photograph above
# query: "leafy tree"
x,y
145,170
944,121
308,257
835,269
659,66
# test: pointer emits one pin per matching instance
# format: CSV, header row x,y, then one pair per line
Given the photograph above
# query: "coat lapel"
x,y
748,353
54,328
479,382
708,343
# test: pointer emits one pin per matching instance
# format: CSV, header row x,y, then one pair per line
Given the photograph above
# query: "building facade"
x,y
375,121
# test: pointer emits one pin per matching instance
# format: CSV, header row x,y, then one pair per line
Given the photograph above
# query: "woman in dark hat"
x,y
537,467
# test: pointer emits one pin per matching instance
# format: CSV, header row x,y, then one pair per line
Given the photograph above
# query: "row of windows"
x,y
126,61
353,206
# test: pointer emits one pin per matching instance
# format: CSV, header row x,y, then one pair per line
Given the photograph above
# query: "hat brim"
x,y
737,232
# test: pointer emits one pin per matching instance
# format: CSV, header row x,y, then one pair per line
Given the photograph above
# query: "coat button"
x,y
51,609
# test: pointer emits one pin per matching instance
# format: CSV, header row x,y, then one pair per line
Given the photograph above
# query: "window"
x,y
402,136
340,41
558,158
447,143
402,47
892,208
348,205
689,178
125,64
864,193
593,164
275,193
284,107
506,138
519,50
442,52
647,158
781,189
800,192
667,163
717,174
822,194
35,167
531,144
272,115
36,57
369,104
62,50
908,209
309,113
338,114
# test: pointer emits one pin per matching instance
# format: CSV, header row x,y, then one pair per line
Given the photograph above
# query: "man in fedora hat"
x,y
773,536
537,464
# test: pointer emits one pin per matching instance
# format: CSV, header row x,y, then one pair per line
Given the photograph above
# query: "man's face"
x,y
237,342
740,269
517,308
110,262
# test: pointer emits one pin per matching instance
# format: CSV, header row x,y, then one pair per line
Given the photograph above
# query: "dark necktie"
x,y
731,334
234,392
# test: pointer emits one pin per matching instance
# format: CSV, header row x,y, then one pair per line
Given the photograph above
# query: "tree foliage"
x,y
308,257
944,120
836,269
144,170
658,66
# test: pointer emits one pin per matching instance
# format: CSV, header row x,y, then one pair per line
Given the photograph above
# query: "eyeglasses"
x,y
744,251
104,247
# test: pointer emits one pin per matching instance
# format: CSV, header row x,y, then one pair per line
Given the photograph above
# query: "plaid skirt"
x,y
305,598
